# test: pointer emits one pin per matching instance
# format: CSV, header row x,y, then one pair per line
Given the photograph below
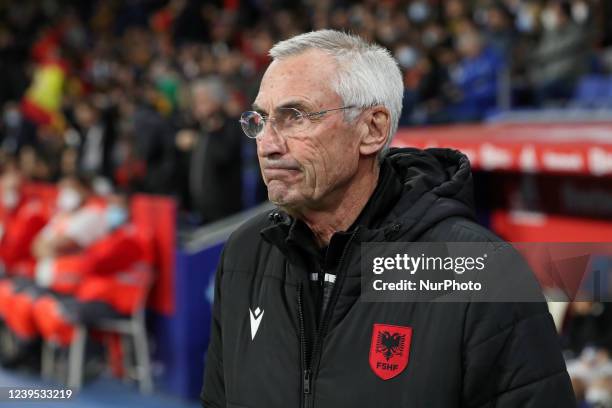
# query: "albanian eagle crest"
x,y
390,344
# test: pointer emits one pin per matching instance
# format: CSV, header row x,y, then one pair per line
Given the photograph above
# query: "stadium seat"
x,y
138,282
132,326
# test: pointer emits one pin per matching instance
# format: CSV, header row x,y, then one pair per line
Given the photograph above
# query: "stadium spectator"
x,y
428,88
96,140
476,78
152,141
591,375
560,56
498,29
588,325
456,15
214,148
76,225
114,278
16,130
21,218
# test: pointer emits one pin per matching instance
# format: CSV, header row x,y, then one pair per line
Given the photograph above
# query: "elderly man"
x,y
216,162
289,328
214,183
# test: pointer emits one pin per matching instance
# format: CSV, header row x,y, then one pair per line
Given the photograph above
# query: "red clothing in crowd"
x,y
116,271
18,230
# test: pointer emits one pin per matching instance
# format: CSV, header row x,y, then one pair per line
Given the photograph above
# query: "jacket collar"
x,y
287,231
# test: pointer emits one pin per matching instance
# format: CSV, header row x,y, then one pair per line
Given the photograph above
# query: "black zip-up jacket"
x,y
269,348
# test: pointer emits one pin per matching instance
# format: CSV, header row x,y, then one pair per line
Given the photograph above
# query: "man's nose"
x,y
271,142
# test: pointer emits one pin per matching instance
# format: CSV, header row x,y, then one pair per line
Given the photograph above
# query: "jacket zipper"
x,y
310,365
305,369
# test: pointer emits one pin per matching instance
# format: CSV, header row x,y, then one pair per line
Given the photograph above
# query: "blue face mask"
x,y
418,11
116,216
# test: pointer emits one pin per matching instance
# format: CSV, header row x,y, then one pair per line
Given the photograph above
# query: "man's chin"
x,y
282,197
280,201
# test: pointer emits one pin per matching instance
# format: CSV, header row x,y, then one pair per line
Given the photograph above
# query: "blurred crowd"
x,y
67,258
587,341
144,95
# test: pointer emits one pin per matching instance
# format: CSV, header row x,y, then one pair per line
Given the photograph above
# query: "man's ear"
x,y
377,123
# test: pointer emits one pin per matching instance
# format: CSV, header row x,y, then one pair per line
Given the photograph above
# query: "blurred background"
x,y
124,169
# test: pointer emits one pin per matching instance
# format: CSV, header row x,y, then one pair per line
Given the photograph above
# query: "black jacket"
x,y
460,354
154,145
215,174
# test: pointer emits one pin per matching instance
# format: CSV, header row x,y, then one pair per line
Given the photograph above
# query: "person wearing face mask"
x,y
107,279
115,272
79,221
76,224
561,55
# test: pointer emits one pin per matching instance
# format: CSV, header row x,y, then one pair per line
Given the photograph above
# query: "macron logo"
x,y
256,317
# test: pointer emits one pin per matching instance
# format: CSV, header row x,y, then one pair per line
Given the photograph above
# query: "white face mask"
x,y
10,199
550,20
525,20
12,118
68,199
418,11
580,12
406,56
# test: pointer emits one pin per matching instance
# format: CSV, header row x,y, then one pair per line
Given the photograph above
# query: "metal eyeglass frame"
x,y
265,118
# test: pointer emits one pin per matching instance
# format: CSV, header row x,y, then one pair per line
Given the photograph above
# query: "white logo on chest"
x,y
256,317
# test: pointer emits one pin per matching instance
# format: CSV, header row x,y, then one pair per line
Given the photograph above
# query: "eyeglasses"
x,y
288,122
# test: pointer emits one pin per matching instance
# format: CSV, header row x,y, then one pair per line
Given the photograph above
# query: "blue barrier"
x,y
181,340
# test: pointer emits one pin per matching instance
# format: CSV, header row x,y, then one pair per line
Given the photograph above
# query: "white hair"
x,y
368,75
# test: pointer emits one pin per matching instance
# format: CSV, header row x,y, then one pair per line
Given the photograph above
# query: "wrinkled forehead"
x,y
305,78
